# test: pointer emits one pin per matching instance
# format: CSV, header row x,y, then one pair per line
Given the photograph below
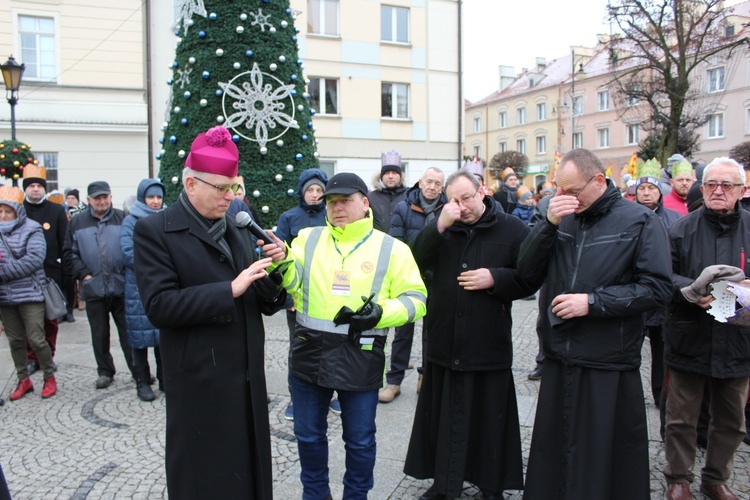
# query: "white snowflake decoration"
x,y
186,11
295,13
260,107
184,78
261,20
168,111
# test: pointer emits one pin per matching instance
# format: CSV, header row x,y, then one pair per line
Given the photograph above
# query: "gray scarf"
x,y
215,229
428,207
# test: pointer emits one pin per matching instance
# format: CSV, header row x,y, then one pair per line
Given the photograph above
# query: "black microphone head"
x,y
243,219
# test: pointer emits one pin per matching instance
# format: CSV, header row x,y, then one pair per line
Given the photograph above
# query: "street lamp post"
x,y
573,76
12,74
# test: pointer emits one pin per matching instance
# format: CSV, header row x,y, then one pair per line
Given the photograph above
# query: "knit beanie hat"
x,y
523,193
311,182
154,190
507,174
73,192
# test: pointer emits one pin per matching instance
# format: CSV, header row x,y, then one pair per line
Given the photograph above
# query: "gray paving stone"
x,y
108,444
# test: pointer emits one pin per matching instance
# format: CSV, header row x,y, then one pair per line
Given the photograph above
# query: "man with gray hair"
x,y
423,203
709,244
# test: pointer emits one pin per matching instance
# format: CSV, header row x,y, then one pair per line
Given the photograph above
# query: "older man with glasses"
x,y
202,287
605,261
708,245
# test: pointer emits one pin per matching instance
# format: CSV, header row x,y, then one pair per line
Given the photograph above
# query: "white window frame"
x,y
502,119
541,111
322,101
716,79
322,8
49,161
521,146
521,116
395,102
36,66
478,151
541,144
602,99
632,134
602,138
392,12
577,105
477,124
502,147
577,140
715,126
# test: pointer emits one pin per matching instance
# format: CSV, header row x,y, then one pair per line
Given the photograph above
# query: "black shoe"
x,y
54,366
530,297
145,393
69,318
2,401
32,367
536,373
492,496
103,382
432,494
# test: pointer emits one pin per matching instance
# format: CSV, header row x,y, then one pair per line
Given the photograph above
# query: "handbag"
x,y
55,306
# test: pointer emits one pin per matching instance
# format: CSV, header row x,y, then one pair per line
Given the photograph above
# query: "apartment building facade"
x,y
83,102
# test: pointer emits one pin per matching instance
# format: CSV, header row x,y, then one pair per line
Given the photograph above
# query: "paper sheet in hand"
x,y
726,297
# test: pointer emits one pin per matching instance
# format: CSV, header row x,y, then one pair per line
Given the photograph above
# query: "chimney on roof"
x,y
507,75
541,63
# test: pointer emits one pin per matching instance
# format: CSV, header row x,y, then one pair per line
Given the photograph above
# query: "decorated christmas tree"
x,y
14,155
237,65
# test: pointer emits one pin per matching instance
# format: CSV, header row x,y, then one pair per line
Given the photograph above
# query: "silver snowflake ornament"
x,y
259,106
261,20
186,10
184,78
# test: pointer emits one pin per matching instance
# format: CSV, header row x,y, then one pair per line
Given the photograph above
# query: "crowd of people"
x,y
611,265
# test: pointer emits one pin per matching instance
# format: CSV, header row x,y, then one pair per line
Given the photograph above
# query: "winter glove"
x,y
343,317
367,316
702,284
269,287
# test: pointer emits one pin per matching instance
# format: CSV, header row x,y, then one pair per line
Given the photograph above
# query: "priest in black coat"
x,y
201,286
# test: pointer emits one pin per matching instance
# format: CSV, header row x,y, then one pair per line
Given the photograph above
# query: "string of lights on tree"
x,y
237,65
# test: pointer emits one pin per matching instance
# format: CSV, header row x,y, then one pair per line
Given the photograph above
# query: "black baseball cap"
x,y
345,183
98,188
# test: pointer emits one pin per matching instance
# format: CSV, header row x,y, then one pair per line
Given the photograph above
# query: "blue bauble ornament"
x,y
304,137
249,53
294,38
176,32
173,139
169,82
298,157
158,156
201,34
161,141
175,64
296,30
293,77
187,94
309,124
184,121
206,75
299,62
293,93
219,93
235,138
212,16
312,112
290,192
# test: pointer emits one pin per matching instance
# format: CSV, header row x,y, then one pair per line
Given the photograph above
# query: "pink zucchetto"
x,y
215,153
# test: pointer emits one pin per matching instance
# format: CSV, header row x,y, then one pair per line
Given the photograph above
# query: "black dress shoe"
x,y
432,494
69,318
492,496
536,373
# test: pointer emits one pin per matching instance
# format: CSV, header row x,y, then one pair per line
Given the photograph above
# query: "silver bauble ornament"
x,y
236,65
273,66
219,52
284,24
181,153
282,59
280,143
175,180
256,193
290,168
265,209
243,17
279,177
191,60
204,103
220,119
263,150
240,29
272,30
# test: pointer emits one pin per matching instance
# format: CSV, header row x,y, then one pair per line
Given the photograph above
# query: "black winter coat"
x,y
693,340
471,330
54,221
409,218
383,202
218,441
617,252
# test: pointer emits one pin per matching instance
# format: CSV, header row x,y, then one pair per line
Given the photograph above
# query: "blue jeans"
x,y
311,426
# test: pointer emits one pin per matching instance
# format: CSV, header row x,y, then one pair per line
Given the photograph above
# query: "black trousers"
x,y
98,312
403,339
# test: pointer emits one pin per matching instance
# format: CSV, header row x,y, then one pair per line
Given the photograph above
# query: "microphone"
x,y
245,220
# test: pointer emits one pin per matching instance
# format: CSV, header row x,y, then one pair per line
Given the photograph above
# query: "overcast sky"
x,y
501,32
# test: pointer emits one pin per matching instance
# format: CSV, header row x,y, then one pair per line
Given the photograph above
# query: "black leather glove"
x,y
343,317
269,287
366,317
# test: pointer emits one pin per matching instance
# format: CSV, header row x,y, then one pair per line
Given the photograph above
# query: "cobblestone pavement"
x,y
88,443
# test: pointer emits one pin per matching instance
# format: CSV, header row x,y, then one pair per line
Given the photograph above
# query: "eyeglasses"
x,y
466,199
584,187
221,189
725,186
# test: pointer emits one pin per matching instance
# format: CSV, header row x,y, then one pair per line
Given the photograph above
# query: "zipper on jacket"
x,y
579,251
